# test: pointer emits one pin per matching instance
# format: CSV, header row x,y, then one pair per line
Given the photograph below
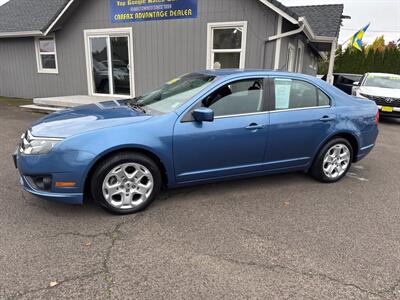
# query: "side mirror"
x,y
356,83
203,114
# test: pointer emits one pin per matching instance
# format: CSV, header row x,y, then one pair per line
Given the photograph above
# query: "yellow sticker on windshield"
x,y
173,81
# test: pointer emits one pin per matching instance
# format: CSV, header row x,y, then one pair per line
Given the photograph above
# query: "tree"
x,y
392,45
377,57
377,45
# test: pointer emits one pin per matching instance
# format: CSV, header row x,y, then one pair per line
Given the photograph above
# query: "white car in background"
x,y
382,88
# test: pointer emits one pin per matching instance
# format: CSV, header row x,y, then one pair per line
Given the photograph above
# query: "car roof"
x,y
347,74
232,73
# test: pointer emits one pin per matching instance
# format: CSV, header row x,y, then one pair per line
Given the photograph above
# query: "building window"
x,y
314,63
291,57
300,56
46,54
226,45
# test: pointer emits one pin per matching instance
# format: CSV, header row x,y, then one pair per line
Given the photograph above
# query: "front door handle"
x,y
254,126
327,118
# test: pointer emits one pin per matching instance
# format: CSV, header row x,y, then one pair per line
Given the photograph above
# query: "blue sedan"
x,y
198,128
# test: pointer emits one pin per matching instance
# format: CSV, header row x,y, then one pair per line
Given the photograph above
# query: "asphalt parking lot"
x,y
276,237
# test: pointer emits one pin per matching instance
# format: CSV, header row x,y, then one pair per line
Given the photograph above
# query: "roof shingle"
x,y
325,20
37,15
29,15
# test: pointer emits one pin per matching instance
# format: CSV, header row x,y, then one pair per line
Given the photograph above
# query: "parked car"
x,y
198,128
121,78
383,89
344,81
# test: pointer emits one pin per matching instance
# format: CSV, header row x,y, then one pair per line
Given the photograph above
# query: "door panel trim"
x,y
108,33
242,115
301,108
243,169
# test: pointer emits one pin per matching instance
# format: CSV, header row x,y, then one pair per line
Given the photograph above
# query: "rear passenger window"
x,y
323,100
240,97
292,94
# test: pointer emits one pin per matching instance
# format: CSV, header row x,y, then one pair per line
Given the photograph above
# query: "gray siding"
x,y
162,49
308,61
294,40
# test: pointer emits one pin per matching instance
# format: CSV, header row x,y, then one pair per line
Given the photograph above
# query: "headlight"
x,y
31,145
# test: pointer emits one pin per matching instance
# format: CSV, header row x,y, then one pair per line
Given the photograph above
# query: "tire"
x,y
126,183
335,167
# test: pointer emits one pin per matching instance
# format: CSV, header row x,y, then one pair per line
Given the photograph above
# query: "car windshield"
x,y
174,93
383,81
351,78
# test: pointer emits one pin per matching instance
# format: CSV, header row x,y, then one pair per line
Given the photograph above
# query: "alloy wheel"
x,y
128,186
336,161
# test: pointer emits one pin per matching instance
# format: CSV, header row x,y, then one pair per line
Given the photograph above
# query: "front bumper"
x,y
68,198
395,113
14,157
62,167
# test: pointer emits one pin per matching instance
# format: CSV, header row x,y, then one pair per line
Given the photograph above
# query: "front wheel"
x,y
333,161
126,183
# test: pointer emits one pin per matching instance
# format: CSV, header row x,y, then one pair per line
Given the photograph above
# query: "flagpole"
x,y
353,35
347,40
334,46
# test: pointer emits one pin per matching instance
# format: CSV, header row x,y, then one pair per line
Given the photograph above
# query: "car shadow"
x,y
204,191
215,189
198,191
389,120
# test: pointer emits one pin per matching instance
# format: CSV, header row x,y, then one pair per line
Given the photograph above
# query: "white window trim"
x,y
291,47
300,59
210,42
39,59
106,32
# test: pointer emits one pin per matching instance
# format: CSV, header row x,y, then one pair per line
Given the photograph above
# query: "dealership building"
x,y
110,48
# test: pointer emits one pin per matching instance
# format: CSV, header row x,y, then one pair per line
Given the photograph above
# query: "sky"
x,y
381,13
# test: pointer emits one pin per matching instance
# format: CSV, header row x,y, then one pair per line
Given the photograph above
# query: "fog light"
x,y
47,183
40,182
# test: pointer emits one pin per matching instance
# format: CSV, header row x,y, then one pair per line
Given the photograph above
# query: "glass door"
x,y
110,65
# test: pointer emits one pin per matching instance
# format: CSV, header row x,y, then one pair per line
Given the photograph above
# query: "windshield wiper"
x,y
133,103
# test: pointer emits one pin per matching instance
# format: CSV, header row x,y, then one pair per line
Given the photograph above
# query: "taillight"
x,y
377,118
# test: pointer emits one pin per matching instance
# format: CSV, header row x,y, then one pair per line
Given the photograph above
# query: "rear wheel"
x,y
333,161
126,183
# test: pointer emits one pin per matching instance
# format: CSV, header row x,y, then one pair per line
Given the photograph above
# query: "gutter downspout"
x,y
329,77
278,36
278,44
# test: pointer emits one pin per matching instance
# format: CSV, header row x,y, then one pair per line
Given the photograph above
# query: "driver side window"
x,y
240,97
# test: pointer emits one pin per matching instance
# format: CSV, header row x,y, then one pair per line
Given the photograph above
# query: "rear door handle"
x,y
327,118
254,126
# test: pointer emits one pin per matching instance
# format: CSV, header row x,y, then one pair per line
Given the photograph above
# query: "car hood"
x,y
86,118
380,92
